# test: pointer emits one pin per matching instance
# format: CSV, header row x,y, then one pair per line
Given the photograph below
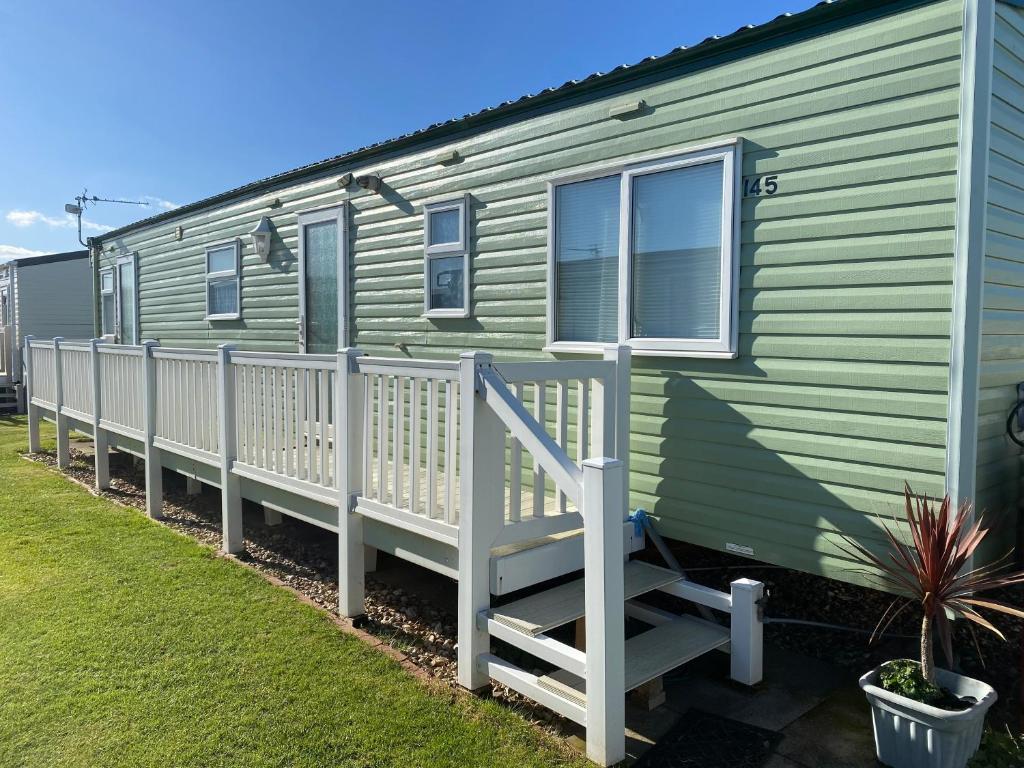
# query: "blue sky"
x,y
169,102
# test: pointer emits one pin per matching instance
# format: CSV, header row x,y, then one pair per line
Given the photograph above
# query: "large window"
x,y
446,259
108,303
223,287
645,254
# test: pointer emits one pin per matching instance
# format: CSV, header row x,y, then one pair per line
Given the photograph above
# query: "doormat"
x,y
703,740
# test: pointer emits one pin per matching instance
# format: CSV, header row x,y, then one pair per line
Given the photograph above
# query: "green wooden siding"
x,y
840,389
1002,346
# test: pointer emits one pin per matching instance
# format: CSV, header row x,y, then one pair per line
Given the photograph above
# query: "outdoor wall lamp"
x,y
371,182
260,237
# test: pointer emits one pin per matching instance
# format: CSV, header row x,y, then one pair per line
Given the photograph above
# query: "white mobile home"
x,y
40,296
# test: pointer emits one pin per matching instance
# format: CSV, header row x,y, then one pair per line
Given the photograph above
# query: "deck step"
x,y
559,605
648,655
525,563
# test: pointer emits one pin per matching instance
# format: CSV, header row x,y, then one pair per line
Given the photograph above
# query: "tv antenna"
x,y
84,200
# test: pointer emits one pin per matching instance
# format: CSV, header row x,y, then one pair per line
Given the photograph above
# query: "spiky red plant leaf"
x,y
932,568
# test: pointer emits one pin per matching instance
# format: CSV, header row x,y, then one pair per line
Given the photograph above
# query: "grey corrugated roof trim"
x,y
745,35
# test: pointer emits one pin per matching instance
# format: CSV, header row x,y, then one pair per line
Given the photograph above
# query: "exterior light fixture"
x,y
260,237
371,182
344,180
74,210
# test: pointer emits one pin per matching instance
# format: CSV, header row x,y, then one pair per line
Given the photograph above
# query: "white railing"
x,y
122,390
186,399
408,428
576,405
43,371
284,415
76,377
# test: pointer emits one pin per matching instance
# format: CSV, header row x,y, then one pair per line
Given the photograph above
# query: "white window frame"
x,y
729,152
112,292
337,214
133,259
447,250
235,273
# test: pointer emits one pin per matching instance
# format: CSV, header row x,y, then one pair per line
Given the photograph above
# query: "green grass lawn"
x,y
123,643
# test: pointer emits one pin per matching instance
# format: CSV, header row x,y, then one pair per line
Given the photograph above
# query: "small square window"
x,y
446,259
223,287
444,226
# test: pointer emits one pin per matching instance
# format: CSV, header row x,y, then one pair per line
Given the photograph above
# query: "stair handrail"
x,y
534,438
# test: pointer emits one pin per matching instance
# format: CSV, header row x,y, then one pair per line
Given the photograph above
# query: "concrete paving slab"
x,y
793,685
836,733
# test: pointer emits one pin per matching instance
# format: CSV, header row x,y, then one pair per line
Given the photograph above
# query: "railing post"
x,y
99,435
348,457
33,410
746,632
481,515
154,466
230,490
604,596
621,355
63,433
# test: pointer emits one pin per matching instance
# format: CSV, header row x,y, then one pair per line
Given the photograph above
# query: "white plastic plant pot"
x,y
909,734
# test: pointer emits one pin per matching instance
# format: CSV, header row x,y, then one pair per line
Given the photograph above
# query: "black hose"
x,y
837,627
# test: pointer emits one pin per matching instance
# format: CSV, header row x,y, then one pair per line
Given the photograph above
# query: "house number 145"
x,y
754,186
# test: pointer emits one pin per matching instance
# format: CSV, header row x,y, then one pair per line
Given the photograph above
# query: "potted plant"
x,y
925,716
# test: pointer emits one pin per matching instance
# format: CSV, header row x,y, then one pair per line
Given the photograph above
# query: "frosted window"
x,y
223,296
587,260
677,253
321,268
444,227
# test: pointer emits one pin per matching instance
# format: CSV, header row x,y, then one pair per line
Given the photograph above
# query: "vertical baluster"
x,y
415,406
276,409
431,491
451,404
583,420
244,426
215,420
181,426
211,410
382,446
515,489
282,421
397,442
562,427
300,423
257,413
195,411
367,385
242,418
289,404
311,466
540,395
325,469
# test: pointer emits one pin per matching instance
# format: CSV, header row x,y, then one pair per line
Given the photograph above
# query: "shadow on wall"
x,y
730,460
